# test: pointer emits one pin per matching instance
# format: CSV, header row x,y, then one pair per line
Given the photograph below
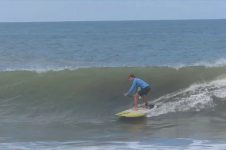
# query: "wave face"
x,y
95,94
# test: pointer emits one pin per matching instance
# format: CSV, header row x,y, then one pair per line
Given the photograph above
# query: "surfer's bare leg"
x,y
136,97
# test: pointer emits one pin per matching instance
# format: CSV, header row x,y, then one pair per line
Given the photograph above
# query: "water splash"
x,y
195,98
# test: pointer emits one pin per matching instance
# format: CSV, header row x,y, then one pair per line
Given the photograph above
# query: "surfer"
x,y
136,84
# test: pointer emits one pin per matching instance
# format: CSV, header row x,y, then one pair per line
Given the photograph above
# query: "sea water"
x,y
62,82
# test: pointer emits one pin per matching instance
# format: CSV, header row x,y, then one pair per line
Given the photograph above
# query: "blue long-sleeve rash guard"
x,y
137,83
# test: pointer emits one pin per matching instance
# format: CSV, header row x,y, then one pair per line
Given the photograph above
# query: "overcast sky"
x,y
90,10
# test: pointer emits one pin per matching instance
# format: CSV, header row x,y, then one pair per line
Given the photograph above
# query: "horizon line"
x,y
119,20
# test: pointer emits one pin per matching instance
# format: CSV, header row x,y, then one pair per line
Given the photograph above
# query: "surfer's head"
x,y
131,77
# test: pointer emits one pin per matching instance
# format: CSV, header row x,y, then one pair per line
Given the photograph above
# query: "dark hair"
x,y
131,75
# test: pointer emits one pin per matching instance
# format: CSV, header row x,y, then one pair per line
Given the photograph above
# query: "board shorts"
x,y
144,91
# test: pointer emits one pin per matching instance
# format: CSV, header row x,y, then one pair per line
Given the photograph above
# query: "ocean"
x,y
62,82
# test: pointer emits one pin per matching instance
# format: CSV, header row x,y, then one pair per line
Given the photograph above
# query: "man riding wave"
x,y
136,84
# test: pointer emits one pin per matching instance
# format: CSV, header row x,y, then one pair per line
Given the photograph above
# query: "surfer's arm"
x,y
132,88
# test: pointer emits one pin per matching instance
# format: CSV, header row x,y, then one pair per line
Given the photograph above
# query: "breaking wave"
x,y
96,93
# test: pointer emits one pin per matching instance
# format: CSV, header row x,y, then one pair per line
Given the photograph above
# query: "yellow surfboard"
x,y
131,113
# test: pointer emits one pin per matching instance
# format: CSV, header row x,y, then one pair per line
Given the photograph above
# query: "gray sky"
x,y
87,10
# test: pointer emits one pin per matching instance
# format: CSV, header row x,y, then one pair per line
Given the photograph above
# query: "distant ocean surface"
x,y
61,84
45,46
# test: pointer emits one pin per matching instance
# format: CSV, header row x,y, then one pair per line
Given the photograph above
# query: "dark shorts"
x,y
144,91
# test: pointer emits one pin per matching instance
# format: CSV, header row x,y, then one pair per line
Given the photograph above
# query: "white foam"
x,y
221,62
195,98
217,63
40,70
163,144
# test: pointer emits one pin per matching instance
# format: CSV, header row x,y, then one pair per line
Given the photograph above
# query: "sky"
x,y
93,10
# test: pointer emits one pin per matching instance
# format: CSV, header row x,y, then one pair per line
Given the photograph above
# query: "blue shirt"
x,y
137,83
